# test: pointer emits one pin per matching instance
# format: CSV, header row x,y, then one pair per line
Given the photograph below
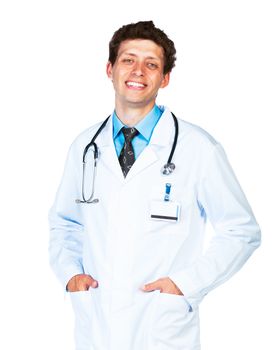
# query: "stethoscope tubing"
x,y
168,167
176,128
92,142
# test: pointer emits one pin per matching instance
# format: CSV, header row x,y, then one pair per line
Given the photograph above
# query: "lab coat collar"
x,y
162,136
144,126
163,133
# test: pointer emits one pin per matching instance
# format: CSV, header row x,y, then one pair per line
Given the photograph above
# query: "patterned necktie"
x,y
127,158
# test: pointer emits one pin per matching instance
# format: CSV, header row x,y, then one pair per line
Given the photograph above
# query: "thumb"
x,y
92,282
149,287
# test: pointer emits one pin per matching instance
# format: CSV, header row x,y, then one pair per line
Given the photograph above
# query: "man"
x,y
131,257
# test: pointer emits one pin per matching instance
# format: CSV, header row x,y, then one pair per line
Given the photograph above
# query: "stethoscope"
x,y
167,169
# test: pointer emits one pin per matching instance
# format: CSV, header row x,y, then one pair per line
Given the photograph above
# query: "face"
x,y
137,73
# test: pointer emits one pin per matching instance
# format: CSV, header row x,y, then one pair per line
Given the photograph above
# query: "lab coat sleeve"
x,y
237,233
66,226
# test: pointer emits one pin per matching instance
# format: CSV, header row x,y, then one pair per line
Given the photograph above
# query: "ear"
x,y
165,80
109,70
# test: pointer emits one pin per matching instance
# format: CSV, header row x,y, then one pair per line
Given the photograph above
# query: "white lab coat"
x,y
117,243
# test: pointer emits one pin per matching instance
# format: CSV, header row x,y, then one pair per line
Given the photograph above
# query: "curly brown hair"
x,y
143,30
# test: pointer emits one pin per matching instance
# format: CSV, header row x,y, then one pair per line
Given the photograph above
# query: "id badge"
x,y
165,211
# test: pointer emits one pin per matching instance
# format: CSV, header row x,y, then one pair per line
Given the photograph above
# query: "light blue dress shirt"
x,y
145,128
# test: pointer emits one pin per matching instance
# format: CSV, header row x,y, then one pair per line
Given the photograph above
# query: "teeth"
x,y
133,83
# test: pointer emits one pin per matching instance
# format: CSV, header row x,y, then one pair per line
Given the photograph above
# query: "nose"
x,y
138,69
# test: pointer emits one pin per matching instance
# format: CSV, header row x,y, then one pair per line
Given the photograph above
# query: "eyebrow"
x,y
134,55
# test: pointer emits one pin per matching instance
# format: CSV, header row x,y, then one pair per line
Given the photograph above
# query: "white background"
x,y
53,85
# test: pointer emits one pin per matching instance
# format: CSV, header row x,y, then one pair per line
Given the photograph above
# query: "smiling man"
x,y
127,228
137,75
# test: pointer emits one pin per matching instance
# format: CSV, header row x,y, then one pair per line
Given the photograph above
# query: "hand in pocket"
x,y
165,285
81,282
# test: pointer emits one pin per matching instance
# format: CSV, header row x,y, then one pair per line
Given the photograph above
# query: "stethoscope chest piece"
x,y
168,168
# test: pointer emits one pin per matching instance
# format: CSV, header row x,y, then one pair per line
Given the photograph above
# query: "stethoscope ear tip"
x,y
94,201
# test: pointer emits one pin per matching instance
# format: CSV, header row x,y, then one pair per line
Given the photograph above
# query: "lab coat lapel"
x,y
107,152
162,137
145,159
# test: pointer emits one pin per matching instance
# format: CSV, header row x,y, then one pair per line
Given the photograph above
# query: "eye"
x,y
127,60
152,65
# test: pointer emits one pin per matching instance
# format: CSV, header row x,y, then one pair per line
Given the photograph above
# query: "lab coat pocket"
x,y
82,307
90,319
181,199
174,325
81,303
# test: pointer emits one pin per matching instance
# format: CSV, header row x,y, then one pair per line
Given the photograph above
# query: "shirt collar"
x,y
145,126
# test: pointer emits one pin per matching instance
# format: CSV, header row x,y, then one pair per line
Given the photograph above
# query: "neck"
x,y
131,116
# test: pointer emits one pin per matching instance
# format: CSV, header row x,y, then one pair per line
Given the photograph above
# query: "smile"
x,y
135,85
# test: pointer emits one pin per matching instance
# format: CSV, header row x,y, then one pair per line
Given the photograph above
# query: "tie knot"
x,y
129,133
